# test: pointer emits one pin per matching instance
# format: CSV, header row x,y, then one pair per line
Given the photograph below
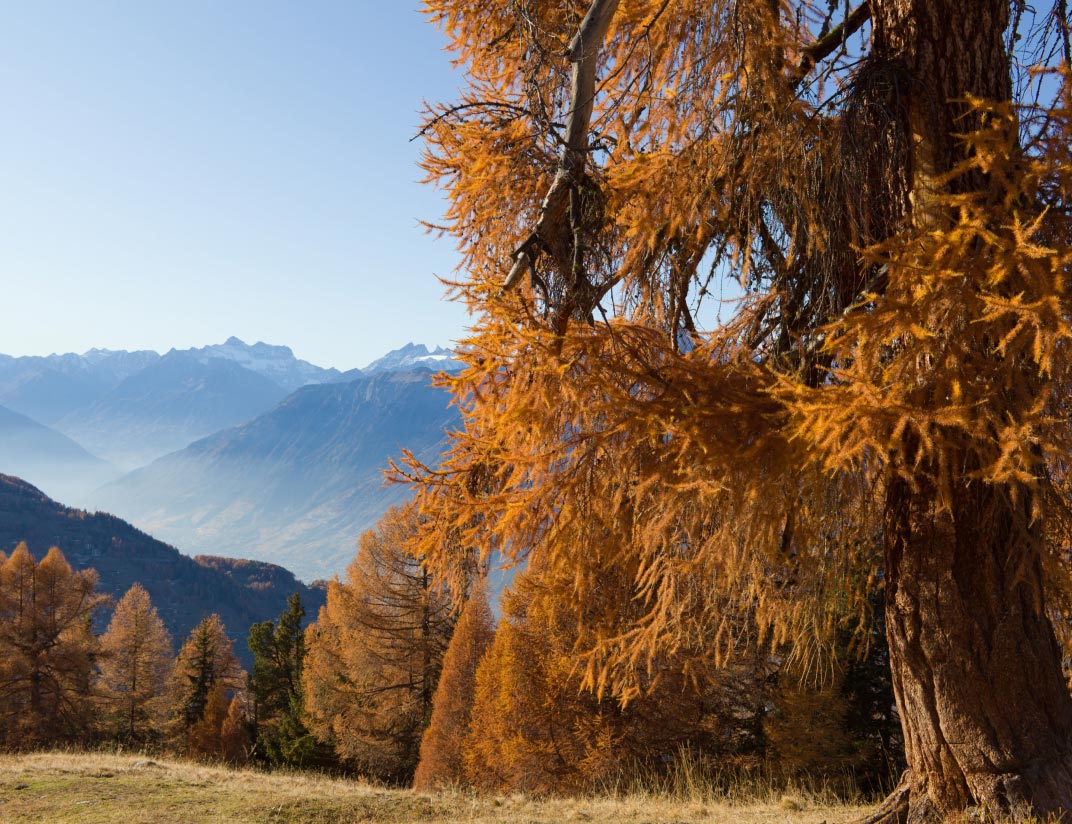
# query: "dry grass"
x,y
114,789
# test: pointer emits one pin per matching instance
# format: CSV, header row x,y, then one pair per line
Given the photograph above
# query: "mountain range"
x,y
227,449
296,485
167,405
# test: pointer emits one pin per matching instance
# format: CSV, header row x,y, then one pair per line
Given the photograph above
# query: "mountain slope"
x,y
296,485
182,589
167,405
48,458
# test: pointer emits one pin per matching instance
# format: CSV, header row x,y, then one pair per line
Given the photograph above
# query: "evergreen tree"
x,y
279,732
204,675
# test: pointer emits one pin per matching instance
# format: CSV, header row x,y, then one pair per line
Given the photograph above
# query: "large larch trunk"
x,y
976,669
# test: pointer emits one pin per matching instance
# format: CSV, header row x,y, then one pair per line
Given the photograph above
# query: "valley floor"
x,y
65,788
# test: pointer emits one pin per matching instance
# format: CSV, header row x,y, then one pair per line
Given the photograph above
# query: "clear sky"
x,y
173,173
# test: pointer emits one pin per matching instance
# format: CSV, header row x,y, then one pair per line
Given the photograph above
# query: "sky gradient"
x,y
176,173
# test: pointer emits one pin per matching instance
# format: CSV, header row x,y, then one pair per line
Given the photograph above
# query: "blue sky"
x,y
172,173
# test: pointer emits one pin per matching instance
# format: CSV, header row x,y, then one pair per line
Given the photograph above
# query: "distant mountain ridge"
x,y
232,447
183,589
413,355
167,405
277,363
31,449
296,485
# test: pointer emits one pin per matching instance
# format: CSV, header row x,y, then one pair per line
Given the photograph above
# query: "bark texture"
x,y
976,668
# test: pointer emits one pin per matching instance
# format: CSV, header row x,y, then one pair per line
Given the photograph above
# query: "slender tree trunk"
x,y
976,669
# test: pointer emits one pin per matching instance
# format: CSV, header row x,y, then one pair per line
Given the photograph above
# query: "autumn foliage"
x,y
885,407
441,762
536,727
136,656
375,652
47,650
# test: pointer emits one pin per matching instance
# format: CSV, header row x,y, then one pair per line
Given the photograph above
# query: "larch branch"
x,y
834,39
584,55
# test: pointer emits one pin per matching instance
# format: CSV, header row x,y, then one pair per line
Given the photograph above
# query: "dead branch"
x,y
584,55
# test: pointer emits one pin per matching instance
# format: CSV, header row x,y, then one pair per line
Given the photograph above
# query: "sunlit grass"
x,y
100,788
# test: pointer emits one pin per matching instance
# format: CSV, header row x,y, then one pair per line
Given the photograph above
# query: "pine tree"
x,y
375,653
441,761
279,731
47,650
886,407
136,656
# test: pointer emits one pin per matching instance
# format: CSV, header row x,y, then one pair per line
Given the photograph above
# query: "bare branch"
x,y
833,40
584,54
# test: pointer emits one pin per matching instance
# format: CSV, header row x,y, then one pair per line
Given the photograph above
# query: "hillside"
x,y
48,458
297,485
101,788
182,589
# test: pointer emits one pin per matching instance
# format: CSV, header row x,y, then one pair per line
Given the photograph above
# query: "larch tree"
x,y
136,657
47,649
885,407
535,727
375,652
441,763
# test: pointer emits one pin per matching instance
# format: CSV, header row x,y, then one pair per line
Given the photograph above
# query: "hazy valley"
x,y
235,450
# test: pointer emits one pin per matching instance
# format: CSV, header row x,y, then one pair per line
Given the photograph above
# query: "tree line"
x,y
407,681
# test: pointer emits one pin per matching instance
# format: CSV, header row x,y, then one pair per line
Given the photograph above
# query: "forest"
x,y
408,684
766,402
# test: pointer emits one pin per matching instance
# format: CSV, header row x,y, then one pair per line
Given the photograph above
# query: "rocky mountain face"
x,y
413,355
277,363
296,485
182,588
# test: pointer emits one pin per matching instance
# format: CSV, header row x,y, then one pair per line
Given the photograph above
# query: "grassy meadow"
x,y
94,788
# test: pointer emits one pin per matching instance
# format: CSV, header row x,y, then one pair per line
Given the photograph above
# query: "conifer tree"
x,y
441,761
47,649
886,407
136,657
535,726
205,675
375,652
279,731
234,734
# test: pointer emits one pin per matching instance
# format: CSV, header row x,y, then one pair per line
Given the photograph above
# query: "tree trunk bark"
x,y
976,669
